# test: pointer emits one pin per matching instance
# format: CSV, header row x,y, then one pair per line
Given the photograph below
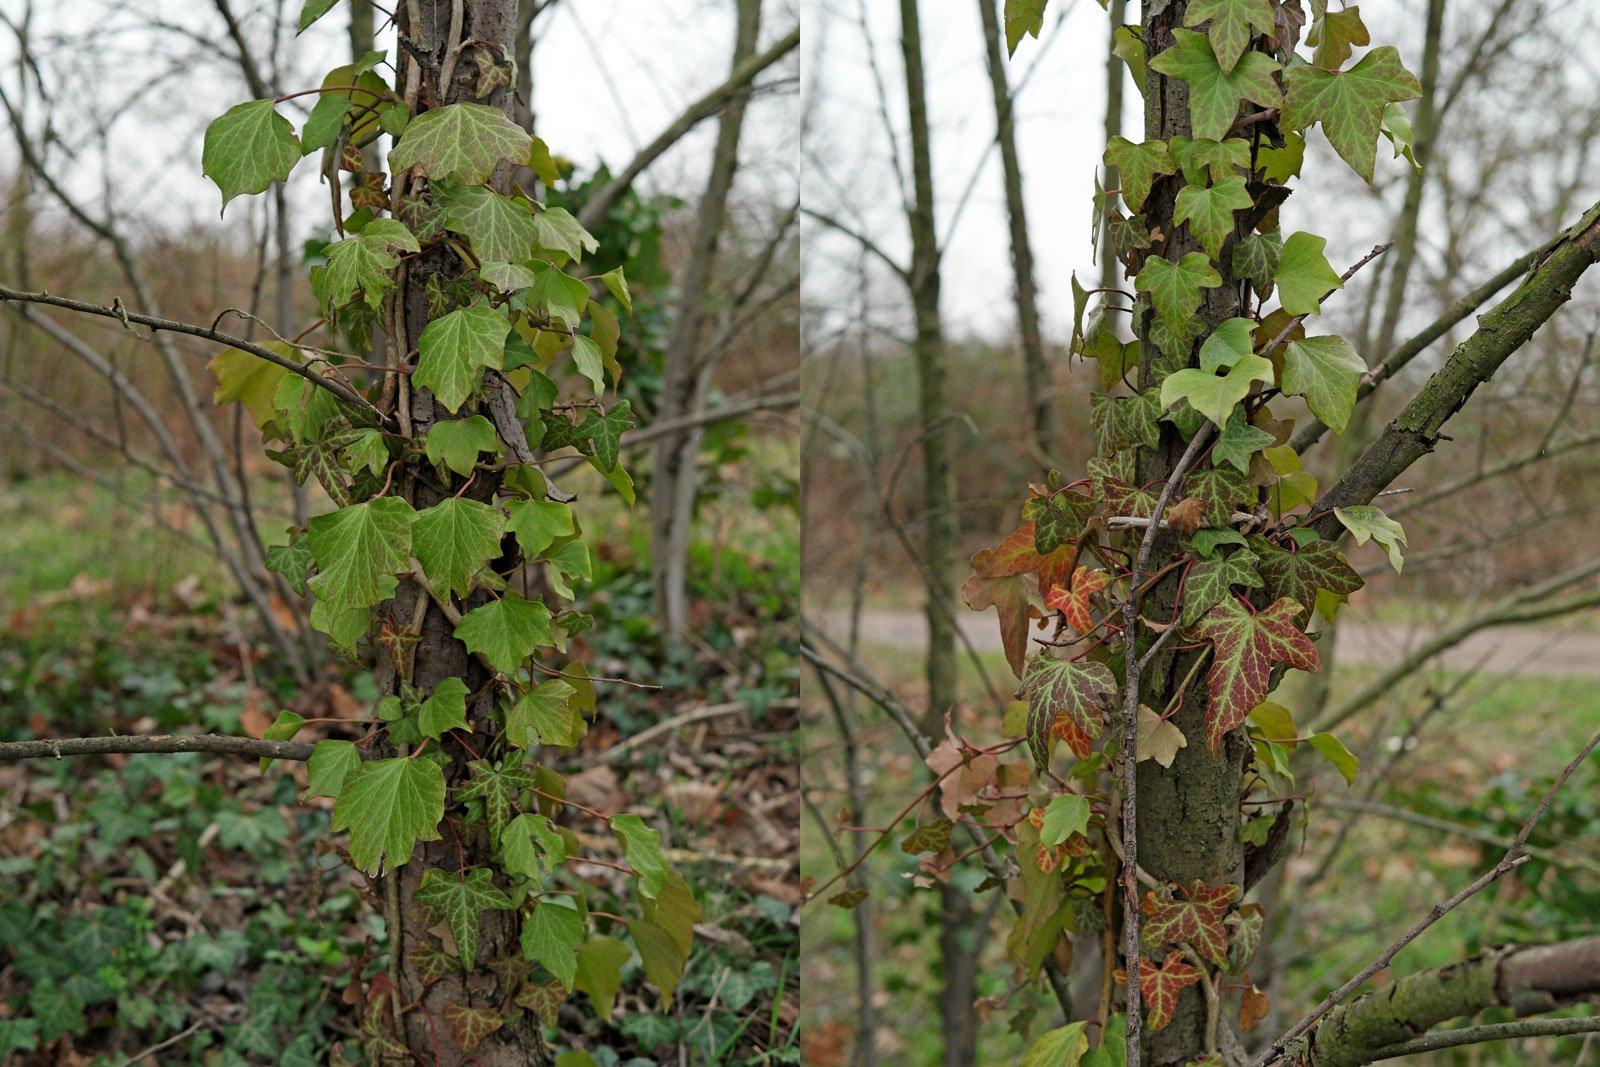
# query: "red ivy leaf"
x,y
1077,690
1074,602
1160,986
1245,646
471,1025
1198,920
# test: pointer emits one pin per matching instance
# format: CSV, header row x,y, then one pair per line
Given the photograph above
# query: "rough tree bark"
x,y
437,654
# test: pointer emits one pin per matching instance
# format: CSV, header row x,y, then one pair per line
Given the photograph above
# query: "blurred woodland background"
x,y
1463,684
139,518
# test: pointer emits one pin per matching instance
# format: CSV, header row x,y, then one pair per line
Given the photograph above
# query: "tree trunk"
x,y
437,654
674,479
1188,814
1035,373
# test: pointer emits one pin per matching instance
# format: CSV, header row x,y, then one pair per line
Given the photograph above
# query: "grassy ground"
x,y
114,625
1481,759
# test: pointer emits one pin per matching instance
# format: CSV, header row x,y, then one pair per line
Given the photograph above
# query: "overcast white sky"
x,y
610,75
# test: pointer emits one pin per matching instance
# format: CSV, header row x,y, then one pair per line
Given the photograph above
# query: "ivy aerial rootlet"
x,y
509,321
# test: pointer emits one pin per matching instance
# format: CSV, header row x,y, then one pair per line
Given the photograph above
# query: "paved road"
x,y
1549,652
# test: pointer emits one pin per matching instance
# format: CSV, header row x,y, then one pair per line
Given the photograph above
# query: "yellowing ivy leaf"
x,y
1158,739
1245,645
388,806
1061,1047
1366,522
1022,17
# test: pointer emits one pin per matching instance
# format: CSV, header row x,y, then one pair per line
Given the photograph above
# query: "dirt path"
x,y
1553,653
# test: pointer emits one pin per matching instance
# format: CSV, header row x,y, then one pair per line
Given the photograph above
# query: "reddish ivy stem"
x,y
1134,666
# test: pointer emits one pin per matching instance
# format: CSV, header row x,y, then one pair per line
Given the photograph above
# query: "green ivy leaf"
x,y
1061,1047
1245,645
1334,751
557,295
544,716
359,266
1023,17
1327,372
555,230
1224,491
283,728
313,10
1304,570
500,228
1216,396
591,362
506,631
454,539
1233,23
359,550
497,785
388,806
462,903
330,763
617,283
1396,127
460,142
1212,579
455,348
327,117
1366,522
1214,94
369,449
641,847
1303,274
551,936
1138,165
522,834
249,147
606,431
1071,694
1350,103
674,912
1067,814
1209,211
445,709
1203,161
56,1011
292,560
600,962
537,523
1174,288
1256,256
1238,442
456,442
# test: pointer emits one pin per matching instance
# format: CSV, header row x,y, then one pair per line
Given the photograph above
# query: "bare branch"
x,y
218,744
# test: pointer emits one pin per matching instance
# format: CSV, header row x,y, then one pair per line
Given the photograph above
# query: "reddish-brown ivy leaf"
x,y
432,962
1196,920
1298,572
543,999
1187,515
1009,596
1160,986
1129,500
1253,1006
1245,645
1078,690
1068,733
472,1025
1074,602
1014,555
850,898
